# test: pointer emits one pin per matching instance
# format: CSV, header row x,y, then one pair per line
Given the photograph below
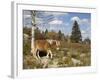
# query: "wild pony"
x,y
43,48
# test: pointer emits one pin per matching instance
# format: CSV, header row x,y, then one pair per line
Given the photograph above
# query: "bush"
x,y
26,47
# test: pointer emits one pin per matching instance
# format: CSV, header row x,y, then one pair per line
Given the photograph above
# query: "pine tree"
x,y
46,33
37,33
59,35
76,33
87,41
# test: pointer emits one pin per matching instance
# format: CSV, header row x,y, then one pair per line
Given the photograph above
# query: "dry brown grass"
x,y
63,57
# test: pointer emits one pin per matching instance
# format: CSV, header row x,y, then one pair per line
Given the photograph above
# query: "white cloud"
x,y
27,16
39,20
76,18
80,21
55,13
83,32
84,21
56,22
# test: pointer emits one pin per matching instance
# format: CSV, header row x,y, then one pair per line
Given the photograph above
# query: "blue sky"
x,y
59,21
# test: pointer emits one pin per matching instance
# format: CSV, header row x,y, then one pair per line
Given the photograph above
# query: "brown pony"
x,y
44,46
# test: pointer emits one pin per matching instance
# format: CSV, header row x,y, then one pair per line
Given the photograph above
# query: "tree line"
x,y
75,37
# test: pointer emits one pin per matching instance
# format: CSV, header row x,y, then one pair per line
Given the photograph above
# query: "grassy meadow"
x,y
69,55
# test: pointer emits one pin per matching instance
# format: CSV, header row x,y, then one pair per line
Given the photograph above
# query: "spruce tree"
x,y
46,33
59,35
76,33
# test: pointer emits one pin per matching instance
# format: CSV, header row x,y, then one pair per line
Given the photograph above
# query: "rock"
x,y
76,61
44,61
54,64
26,36
82,55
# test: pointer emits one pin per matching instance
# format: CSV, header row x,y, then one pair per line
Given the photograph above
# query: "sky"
x,y
59,21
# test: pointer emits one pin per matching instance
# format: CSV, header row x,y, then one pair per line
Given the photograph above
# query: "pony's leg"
x,y
38,55
34,52
49,52
45,64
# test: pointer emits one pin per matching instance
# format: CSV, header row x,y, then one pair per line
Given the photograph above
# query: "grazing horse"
x,y
43,48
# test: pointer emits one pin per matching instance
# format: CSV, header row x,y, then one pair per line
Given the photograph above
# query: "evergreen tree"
x,y
87,41
59,35
37,33
46,31
76,33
